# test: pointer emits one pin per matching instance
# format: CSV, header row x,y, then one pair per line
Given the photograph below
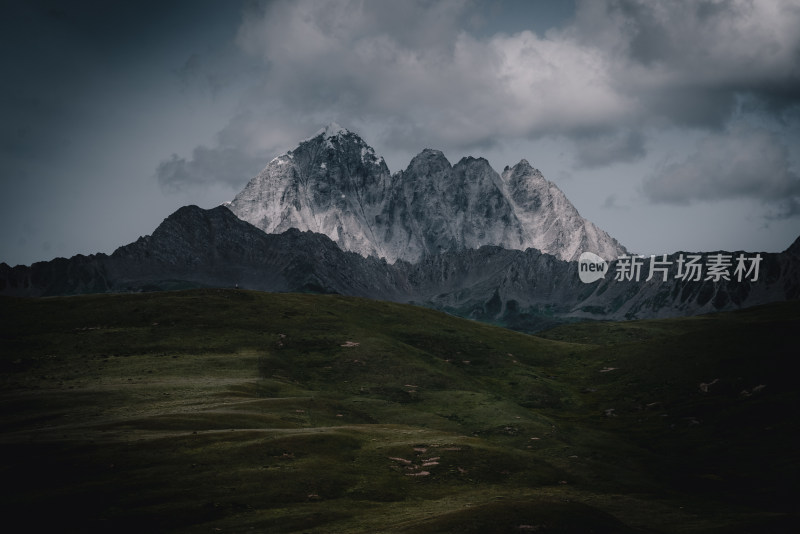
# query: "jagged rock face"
x,y
334,184
435,207
548,220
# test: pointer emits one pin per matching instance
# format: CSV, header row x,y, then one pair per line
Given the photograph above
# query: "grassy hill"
x,y
238,411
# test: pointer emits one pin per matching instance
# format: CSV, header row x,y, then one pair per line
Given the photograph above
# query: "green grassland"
x,y
238,411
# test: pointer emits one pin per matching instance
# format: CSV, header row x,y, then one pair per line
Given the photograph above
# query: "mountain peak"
x,y
426,168
473,165
524,167
335,184
430,153
333,129
470,160
428,157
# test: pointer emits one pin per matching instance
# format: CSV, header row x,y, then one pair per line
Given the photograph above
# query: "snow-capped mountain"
x,y
333,183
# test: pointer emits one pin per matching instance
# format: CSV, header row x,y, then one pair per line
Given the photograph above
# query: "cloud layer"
x,y
683,113
739,163
208,166
418,74
626,62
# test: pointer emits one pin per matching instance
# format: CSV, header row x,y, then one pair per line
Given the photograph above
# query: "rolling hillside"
x,y
239,411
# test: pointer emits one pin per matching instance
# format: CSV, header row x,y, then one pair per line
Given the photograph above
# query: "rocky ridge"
x,y
527,290
334,184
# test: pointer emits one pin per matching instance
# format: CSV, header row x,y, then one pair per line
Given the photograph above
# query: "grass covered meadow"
x,y
239,411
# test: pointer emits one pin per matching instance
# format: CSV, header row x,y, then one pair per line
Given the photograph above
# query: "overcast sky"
x,y
671,125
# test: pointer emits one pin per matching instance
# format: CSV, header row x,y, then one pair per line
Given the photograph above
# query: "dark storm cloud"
x,y
229,166
250,139
88,101
102,100
416,67
689,60
743,162
421,71
61,61
724,67
42,78
601,150
694,107
610,203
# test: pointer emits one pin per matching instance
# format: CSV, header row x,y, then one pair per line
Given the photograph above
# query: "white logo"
x,y
591,267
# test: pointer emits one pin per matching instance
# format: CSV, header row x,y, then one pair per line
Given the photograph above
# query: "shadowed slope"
x,y
191,411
